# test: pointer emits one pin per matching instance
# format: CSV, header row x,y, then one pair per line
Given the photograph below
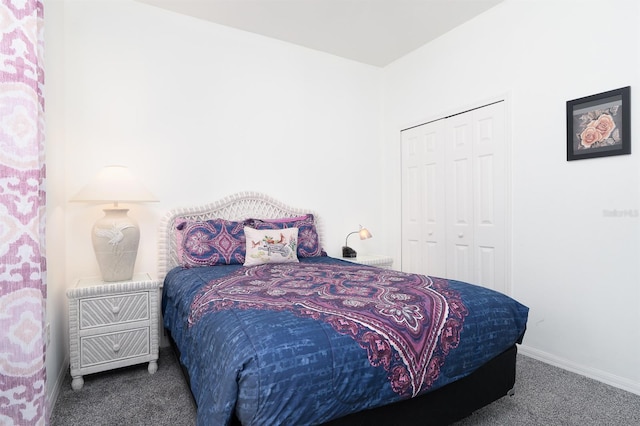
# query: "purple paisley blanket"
x,y
406,323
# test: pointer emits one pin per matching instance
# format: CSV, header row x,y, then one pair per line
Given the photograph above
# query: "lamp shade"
x,y
114,184
364,233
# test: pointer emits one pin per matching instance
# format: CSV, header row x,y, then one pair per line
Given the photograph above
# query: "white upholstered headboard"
x,y
240,206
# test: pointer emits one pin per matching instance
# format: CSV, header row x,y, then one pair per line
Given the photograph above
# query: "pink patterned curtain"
x,y
22,203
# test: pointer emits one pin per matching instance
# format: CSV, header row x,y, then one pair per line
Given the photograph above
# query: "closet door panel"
x,y
486,264
423,167
459,190
490,197
411,207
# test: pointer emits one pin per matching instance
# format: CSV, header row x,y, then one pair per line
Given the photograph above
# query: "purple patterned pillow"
x,y
308,241
211,242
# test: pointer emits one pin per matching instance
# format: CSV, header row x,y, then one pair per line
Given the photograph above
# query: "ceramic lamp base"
x,y
115,240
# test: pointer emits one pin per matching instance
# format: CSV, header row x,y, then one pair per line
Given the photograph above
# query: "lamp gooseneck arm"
x,y
346,240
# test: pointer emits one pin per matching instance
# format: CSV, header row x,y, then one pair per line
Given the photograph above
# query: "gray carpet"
x,y
549,396
128,396
544,395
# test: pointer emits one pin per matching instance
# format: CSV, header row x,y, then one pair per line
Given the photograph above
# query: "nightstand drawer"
x,y
103,348
116,309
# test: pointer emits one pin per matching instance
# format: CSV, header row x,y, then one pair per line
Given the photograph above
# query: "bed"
x,y
270,330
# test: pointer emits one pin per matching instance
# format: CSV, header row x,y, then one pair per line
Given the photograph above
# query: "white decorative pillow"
x,y
270,245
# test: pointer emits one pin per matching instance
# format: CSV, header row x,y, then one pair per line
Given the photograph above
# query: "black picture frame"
x,y
599,125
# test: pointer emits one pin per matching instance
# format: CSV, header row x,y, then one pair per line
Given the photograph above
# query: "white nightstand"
x,y
112,325
380,261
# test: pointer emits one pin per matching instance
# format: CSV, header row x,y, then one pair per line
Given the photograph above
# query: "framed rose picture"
x,y
599,125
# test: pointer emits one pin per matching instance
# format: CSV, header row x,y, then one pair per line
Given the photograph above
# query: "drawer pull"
x,y
115,309
116,347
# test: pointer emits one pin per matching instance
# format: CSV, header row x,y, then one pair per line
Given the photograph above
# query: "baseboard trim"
x,y
52,397
592,373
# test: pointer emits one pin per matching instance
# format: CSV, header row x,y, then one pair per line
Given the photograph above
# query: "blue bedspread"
x,y
271,356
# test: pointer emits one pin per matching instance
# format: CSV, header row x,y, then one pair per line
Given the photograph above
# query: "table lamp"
x,y
348,251
115,236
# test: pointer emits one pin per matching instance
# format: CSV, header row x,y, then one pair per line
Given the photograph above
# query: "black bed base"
x,y
448,404
443,406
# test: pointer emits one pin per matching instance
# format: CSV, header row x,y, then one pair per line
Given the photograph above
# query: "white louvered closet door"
x,y
454,190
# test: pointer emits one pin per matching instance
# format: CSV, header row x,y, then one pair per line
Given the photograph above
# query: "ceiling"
x,y
374,32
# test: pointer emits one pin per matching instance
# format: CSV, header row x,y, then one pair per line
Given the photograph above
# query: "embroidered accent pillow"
x,y
308,240
209,243
271,245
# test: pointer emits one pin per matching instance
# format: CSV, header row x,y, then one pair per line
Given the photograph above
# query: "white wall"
x,y
572,265
200,111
